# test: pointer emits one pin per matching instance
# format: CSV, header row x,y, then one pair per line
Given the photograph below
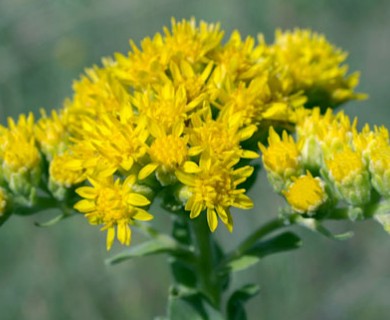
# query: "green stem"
x,y
206,258
261,232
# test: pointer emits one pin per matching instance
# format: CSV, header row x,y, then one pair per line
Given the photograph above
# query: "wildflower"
x,y
349,173
315,66
192,43
165,105
167,153
219,137
20,157
379,166
214,188
306,194
281,159
51,133
115,205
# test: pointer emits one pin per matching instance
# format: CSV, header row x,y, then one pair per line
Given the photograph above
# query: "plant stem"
x,y
261,232
206,257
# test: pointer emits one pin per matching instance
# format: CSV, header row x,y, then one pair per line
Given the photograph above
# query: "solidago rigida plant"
x,y
185,118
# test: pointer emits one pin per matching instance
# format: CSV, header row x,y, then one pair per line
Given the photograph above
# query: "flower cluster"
x,y
184,112
330,164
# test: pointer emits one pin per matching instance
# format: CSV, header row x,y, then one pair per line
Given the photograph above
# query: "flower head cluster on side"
x,y
330,164
185,111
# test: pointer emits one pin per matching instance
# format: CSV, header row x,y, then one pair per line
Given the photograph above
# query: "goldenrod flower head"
x,y
306,194
316,67
379,166
166,105
214,188
119,141
167,152
193,81
322,135
18,149
51,133
281,158
240,59
190,42
62,174
366,141
143,66
219,137
349,173
115,205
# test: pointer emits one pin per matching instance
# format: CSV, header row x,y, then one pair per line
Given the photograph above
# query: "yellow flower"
x,y
167,152
219,138
115,205
214,188
192,43
349,173
320,136
306,194
51,133
62,174
315,66
242,60
18,149
281,159
379,166
165,105
119,140
194,81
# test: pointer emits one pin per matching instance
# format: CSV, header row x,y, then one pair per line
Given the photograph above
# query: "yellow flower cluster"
x,y
181,111
353,165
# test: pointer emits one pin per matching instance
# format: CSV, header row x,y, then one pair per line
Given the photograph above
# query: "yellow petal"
x,y
110,237
147,170
190,167
136,199
85,205
212,219
243,202
86,192
142,215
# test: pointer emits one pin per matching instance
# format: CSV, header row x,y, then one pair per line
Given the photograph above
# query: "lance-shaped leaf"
x,y
159,244
235,305
187,303
280,243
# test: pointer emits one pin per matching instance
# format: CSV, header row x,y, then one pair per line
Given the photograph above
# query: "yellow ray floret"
x,y
214,188
306,193
282,154
114,205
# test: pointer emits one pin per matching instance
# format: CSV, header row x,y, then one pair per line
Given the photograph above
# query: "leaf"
x,y
160,244
52,221
187,303
235,305
280,243
316,226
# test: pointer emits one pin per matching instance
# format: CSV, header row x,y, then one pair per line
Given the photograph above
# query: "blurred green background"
x,y
59,272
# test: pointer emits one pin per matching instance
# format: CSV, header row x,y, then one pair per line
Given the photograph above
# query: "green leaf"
x,y
235,305
280,243
53,221
187,303
316,226
160,244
